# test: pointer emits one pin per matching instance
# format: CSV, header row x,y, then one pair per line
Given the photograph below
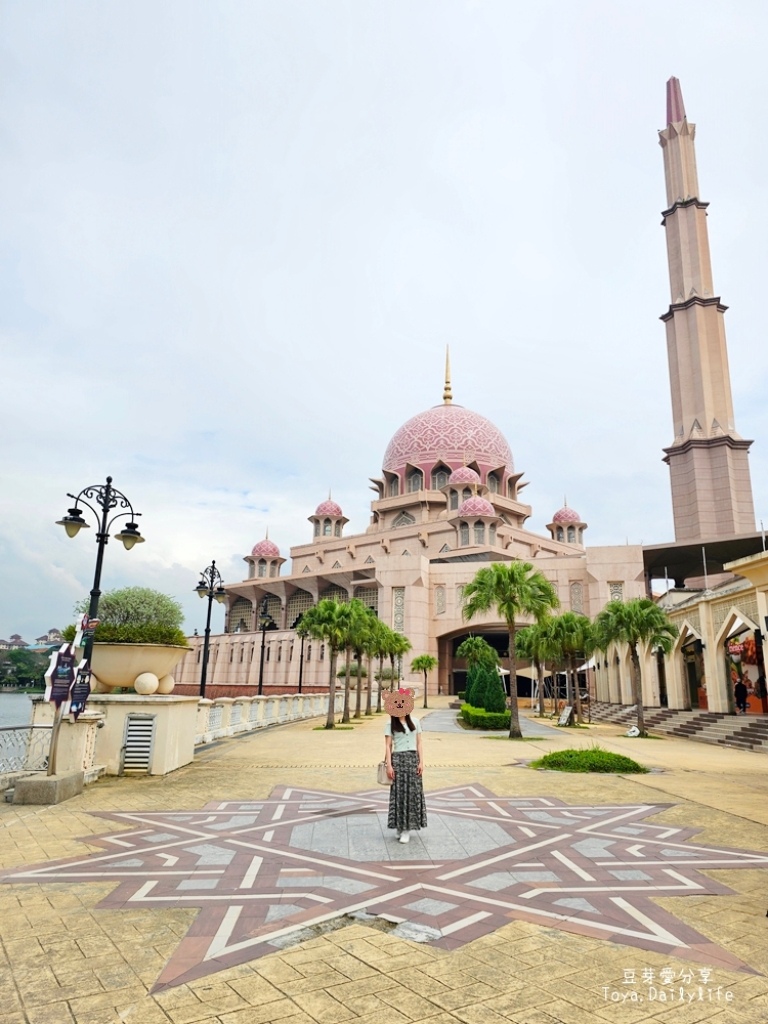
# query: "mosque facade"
x,y
449,500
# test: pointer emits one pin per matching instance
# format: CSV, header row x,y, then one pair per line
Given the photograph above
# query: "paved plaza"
x,y
261,884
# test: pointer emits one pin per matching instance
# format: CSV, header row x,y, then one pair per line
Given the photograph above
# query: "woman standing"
x,y
405,765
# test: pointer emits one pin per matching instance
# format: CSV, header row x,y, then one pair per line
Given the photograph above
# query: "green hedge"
x,y
477,718
151,633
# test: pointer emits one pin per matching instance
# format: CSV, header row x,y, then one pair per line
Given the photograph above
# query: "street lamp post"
x,y
265,620
211,585
107,498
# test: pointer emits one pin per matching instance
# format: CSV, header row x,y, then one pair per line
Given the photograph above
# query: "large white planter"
x,y
121,664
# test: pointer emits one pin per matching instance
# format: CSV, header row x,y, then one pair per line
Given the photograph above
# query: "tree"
x,y
23,668
424,663
512,589
635,622
397,646
494,696
136,606
328,621
569,637
478,653
531,645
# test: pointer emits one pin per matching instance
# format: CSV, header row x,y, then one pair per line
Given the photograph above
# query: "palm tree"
x,y
531,645
569,637
327,621
512,589
397,646
359,633
639,621
424,663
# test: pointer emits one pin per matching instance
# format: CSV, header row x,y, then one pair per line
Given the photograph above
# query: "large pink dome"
x,y
265,549
566,515
476,507
328,508
450,434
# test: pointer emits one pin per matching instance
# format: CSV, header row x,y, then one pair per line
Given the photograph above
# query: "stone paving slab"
x,y
67,955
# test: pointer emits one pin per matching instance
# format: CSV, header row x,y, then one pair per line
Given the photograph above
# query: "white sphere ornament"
x,y
98,687
167,684
146,683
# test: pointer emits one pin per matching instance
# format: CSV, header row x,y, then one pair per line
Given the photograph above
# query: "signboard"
x,y
565,715
735,648
60,675
81,690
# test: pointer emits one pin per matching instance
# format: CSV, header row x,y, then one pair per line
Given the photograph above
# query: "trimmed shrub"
x,y
495,699
590,759
478,718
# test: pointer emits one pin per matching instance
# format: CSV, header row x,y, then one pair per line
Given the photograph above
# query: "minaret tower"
x,y
708,460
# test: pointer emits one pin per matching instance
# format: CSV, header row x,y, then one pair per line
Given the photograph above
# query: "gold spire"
x,y
447,396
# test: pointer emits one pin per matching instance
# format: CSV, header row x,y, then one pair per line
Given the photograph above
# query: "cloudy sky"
x,y
237,236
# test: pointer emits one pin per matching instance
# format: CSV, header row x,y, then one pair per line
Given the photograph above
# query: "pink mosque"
x,y
449,500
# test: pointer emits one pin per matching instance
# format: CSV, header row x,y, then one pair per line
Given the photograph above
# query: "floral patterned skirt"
x,y
407,807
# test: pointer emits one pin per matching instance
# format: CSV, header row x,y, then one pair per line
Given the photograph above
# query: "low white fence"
x,y
86,745
230,716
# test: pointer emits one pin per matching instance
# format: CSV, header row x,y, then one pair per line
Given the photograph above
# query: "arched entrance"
x,y
453,671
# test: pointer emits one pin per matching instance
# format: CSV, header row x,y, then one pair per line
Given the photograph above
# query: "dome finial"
x,y
447,396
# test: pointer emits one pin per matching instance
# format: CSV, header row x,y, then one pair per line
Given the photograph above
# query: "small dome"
x,y
328,508
266,549
464,475
477,507
566,515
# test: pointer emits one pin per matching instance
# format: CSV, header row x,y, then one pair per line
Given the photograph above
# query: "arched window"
x,y
326,527
454,499
571,535
251,570
479,532
337,529
273,568
309,652
463,534
559,533
465,494
394,488
317,528
262,567
439,479
415,481
493,483
492,533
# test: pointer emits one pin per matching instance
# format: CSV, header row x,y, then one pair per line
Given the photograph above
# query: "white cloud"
x,y
237,237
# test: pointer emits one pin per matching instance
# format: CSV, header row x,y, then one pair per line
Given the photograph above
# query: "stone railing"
x,y
230,716
24,748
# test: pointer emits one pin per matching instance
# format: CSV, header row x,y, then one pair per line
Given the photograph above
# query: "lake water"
x,y
15,709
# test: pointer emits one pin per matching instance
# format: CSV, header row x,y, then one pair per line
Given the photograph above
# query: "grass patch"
x,y
517,739
336,728
589,759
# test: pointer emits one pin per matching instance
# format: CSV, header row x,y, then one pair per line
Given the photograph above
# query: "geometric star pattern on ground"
x,y
264,872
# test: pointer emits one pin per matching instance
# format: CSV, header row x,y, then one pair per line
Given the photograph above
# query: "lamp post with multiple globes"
x,y
211,585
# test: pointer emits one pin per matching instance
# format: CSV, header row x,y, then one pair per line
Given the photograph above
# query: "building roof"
x,y
266,549
477,506
328,508
450,434
464,475
566,515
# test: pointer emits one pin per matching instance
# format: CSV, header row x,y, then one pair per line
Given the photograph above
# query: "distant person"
x,y
405,765
740,693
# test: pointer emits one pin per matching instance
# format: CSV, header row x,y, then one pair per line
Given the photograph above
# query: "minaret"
x,y
708,460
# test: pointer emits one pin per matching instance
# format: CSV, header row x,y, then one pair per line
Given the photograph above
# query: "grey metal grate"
x,y
139,737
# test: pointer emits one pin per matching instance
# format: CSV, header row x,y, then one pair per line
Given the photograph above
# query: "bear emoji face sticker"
x,y
398,703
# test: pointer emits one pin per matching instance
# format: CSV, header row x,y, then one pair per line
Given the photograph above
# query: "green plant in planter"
x,y
136,615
